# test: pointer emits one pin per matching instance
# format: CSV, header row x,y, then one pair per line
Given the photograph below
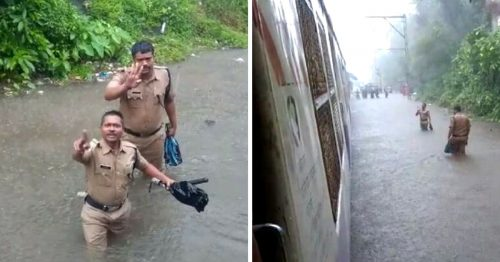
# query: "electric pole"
x,y
404,35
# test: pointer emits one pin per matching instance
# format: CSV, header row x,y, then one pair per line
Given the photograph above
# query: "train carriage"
x,y
301,124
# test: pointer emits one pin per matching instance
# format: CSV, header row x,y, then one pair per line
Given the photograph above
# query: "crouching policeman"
x,y
108,169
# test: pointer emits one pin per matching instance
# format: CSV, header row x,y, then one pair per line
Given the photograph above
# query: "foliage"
x,y
474,78
454,56
206,23
231,13
435,36
51,38
435,32
126,14
177,14
82,71
219,34
171,49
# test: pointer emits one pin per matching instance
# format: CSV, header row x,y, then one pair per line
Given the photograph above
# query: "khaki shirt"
x,y
143,107
460,125
108,175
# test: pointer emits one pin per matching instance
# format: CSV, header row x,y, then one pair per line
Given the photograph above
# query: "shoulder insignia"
x,y
121,69
128,144
160,67
94,143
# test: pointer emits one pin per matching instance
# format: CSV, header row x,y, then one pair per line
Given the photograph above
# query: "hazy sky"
x,y
360,37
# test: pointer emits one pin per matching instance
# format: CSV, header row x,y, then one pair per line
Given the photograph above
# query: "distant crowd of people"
x,y
373,91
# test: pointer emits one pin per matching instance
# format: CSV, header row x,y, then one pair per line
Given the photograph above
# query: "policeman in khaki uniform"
x,y
108,169
458,133
145,92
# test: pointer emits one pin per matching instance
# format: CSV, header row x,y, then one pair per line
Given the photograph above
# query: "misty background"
x,y
452,49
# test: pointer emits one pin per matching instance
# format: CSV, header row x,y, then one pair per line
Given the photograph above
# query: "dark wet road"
x,y
39,208
410,201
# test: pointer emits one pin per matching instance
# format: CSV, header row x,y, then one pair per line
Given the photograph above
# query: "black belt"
x,y
100,206
139,134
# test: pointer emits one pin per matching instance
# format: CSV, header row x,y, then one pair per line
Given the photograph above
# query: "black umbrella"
x,y
186,192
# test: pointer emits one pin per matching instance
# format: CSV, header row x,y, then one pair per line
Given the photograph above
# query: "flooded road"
x,y
40,211
412,202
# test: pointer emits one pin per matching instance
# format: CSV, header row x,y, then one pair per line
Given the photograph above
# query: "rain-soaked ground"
x,y
39,206
412,202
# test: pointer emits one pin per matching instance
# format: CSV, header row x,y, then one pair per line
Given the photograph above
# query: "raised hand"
x,y
132,78
81,144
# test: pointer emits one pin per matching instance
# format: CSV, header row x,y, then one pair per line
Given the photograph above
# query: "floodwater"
x,y
413,202
40,209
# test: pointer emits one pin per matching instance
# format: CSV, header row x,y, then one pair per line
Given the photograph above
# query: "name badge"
x,y
105,167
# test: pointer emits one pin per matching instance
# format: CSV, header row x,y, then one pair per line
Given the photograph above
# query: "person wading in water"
x,y
425,117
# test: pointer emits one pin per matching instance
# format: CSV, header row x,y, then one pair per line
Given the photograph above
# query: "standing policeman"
x,y
108,170
458,133
145,92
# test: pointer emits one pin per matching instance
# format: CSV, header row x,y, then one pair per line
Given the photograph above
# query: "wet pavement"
x,y
412,202
40,209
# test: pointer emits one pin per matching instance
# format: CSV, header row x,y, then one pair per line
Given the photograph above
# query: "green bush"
x,y
431,91
232,13
127,14
82,71
219,35
171,49
211,24
51,38
474,78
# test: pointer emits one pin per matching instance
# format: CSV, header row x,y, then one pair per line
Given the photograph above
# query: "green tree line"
x,y
454,56
61,38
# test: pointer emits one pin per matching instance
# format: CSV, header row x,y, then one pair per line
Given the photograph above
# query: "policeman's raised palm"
x,y
133,76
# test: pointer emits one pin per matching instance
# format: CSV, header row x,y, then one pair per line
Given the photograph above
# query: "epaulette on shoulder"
x,y
160,67
128,144
94,143
120,70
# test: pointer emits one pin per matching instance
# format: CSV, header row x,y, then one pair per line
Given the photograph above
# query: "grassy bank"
x,y
59,39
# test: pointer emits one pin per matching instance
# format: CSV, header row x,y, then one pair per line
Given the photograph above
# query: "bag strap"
x,y
134,166
135,160
169,86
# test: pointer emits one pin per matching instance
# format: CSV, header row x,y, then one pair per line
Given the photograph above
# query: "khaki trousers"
x,y
151,148
459,142
96,224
